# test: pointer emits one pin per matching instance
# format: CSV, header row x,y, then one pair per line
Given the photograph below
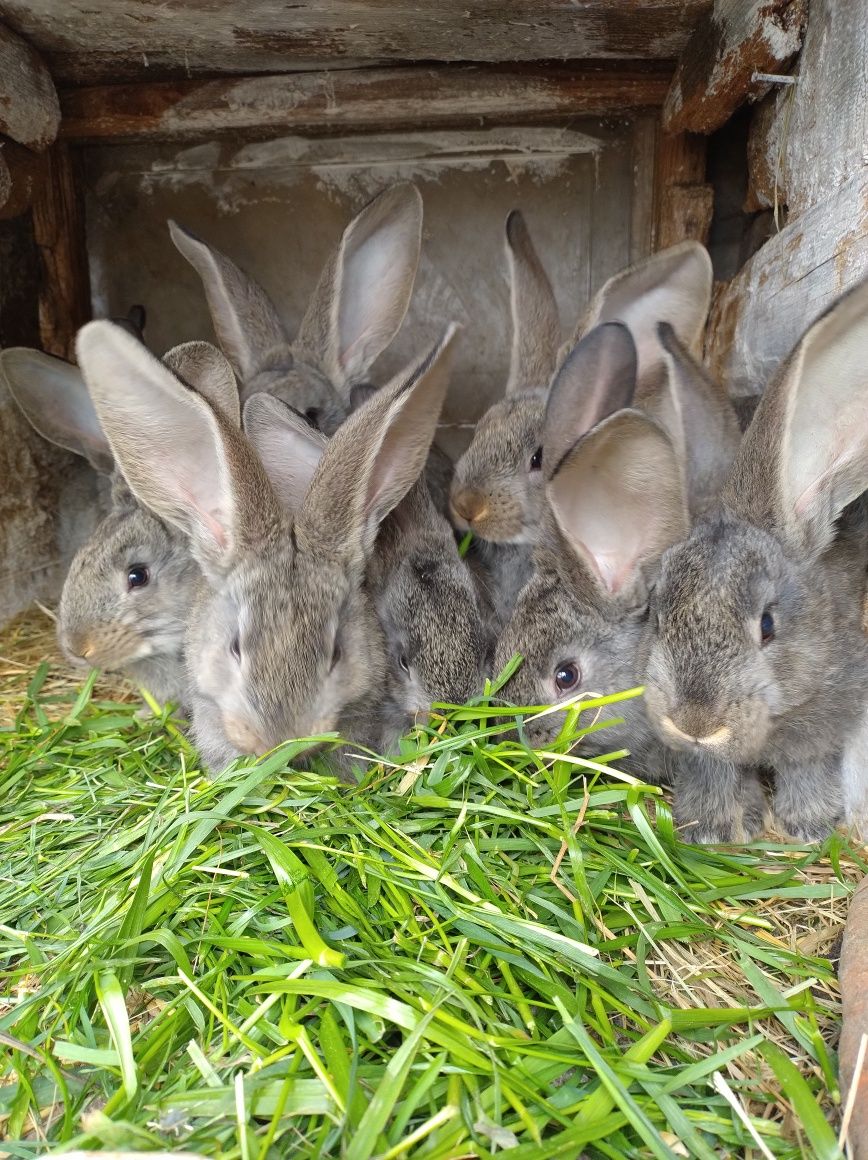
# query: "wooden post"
x,y
59,230
684,201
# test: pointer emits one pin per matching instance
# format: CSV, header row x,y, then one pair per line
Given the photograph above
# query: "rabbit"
x,y
498,483
284,640
355,312
760,656
615,501
126,596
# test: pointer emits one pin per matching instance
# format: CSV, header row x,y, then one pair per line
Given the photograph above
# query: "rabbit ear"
x,y
535,321
53,396
290,449
672,286
244,318
697,415
597,378
812,426
365,288
377,455
181,459
203,368
618,499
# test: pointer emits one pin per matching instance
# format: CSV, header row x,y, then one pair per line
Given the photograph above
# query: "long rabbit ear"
x,y
804,457
376,456
206,370
181,459
53,396
535,323
618,499
290,449
597,377
697,416
245,321
671,286
365,288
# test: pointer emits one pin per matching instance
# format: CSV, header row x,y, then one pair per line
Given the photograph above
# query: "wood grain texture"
x,y
364,99
21,172
715,74
59,229
815,133
29,109
854,1003
90,43
759,316
684,200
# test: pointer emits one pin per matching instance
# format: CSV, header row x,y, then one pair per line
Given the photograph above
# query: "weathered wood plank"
x,y
854,1009
364,99
91,43
58,226
715,74
29,109
825,115
758,317
684,201
21,171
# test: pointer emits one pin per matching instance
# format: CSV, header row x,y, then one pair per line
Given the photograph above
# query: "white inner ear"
x,y
289,448
673,286
619,499
166,439
825,443
377,266
53,396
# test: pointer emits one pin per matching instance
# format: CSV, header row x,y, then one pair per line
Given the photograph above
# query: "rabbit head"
x,y
126,596
615,503
355,312
760,656
285,640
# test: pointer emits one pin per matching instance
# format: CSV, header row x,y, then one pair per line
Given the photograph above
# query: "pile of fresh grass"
x,y
480,950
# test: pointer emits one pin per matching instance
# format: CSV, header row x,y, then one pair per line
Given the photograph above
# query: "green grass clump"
x,y
480,950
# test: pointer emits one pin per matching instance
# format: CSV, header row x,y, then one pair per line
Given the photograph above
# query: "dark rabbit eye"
x,y
404,663
767,627
138,576
336,654
312,416
567,676
235,647
536,460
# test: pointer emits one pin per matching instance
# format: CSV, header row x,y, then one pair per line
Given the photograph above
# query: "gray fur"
x,y
587,601
790,536
354,313
288,583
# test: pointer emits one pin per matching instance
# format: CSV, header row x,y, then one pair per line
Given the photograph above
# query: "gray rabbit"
x,y
760,654
284,639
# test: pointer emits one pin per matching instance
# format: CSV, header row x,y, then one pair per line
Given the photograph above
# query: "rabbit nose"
x,y
469,505
694,728
242,735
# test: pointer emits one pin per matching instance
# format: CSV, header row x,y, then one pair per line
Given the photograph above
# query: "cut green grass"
x,y
481,949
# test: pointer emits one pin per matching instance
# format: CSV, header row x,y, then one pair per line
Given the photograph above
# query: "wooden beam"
x,y
59,230
21,172
29,109
684,200
137,40
715,74
354,100
757,319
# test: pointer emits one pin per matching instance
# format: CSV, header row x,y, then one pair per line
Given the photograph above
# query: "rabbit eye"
x,y
567,676
138,576
767,627
336,655
235,647
312,416
404,663
536,460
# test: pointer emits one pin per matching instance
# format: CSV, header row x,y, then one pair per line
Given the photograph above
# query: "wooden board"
x,y
87,42
684,200
758,317
363,99
716,72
